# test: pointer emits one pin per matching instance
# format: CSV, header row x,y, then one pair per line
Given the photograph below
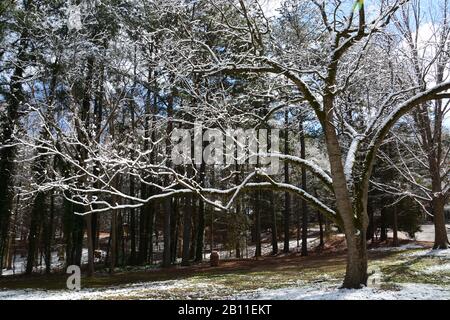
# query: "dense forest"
x,y
159,132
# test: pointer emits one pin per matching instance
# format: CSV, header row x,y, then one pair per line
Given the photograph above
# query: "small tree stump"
x,y
214,259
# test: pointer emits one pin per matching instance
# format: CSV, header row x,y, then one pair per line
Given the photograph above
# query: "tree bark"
x,y
257,224
287,196
113,236
48,234
200,231
383,228
305,188
274,225
132,229
166,232
395,227
201,219
356,270
36,219
90,244
440,229
355,236
187,220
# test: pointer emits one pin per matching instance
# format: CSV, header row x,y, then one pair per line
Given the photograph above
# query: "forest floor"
x,y
411,271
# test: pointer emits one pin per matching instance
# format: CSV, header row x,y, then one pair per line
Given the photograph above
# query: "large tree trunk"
x,y
113,242
274,226
174,227
287,196
395,227
143,231
48,235
193,229
257,224
11,243
356,271
383,228
371,228
132,228
304,187
200,231
438,204
90,244
320,220
355,234
33,237
166,232
187,217
440,229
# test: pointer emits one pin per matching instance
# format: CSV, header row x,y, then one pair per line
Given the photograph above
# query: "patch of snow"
x,y
404,247
431,253
408,291
142,290
441,268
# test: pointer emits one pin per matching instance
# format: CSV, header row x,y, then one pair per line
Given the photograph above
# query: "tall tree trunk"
x,y
143,231
174,226
113,236
440,229
166,232
305,188
147,213
356,270
201,218
12,239
320,219
132,218
33,237
151,231
355,234
371,228
169,202
438,204
257,224
395,226
132,227
48,234
383,228
200,231
90,244
187,220
273,217
287,196
194,229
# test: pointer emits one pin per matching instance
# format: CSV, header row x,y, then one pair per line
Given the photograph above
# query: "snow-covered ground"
x,y
115,292
310,291
445,254
438,268
409,291
377,290
418,260
404,247
323,287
